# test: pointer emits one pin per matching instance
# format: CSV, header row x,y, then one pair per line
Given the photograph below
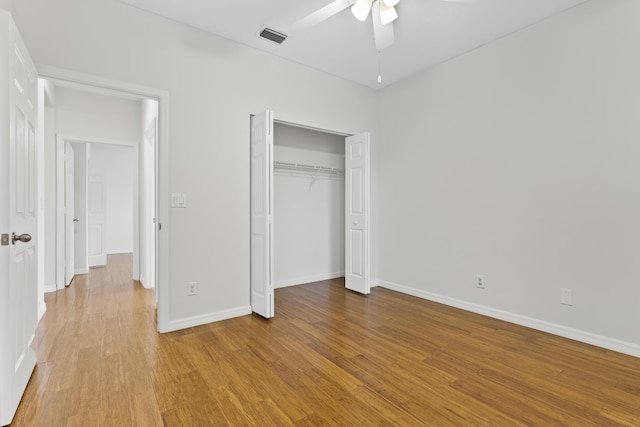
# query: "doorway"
x,y
263,215
148,182
106,130
308,205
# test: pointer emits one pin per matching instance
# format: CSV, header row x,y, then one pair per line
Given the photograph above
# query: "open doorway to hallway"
x,y
112,136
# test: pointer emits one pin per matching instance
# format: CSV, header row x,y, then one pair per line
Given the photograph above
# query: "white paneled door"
x,y
262,214
97,227
357,195
18,217
69,213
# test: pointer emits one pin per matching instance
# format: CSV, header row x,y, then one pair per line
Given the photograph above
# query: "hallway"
x,y
94,345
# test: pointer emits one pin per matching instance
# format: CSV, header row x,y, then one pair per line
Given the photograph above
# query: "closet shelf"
x,y
308,168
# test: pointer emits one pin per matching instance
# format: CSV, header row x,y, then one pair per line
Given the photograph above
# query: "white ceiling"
x,y
427,32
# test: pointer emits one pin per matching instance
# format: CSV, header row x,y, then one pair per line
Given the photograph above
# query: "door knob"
x,y
24,238
75,220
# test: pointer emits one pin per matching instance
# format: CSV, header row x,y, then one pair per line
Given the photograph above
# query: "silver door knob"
x,y
75,220
24,238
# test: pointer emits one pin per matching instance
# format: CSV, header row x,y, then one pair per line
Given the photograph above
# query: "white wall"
x,y
519,161
308,208
214,86
116,161
81,208
93,115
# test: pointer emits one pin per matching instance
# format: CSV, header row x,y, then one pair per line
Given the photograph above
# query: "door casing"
x,y
367,276
108,86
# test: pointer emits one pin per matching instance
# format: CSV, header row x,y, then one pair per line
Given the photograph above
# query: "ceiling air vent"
x,y
272,35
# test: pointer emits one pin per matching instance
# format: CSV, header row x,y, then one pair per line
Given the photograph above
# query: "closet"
x,y
309,205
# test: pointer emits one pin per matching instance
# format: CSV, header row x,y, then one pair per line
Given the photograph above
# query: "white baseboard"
x,y
541,325
50,288
119,251
143,282
203,319
307,279
81,270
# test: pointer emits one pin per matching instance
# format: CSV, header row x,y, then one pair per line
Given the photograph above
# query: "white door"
x,y
97,227
69,214
18,214
149,206
262,214
357,213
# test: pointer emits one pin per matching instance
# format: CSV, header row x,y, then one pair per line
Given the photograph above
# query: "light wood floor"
x,y
329,357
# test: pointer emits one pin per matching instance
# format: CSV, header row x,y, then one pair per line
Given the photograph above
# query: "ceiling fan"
x,y
383,13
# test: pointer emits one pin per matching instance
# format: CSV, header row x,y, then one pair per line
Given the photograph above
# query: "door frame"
x,y
368,177
109,87
68,193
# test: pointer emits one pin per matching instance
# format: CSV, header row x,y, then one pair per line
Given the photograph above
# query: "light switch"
x,y
178,200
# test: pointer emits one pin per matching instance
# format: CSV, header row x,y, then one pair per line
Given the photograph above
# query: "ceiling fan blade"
x,y
383,34
387,14
322,14
361,9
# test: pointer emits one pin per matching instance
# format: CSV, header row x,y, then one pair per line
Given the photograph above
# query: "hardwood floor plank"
x,y
330,357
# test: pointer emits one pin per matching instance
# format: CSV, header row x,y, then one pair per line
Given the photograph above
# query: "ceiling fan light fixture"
x,y
391,3
361,8
387,13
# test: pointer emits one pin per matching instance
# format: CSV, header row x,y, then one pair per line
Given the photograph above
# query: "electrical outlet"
x,y
479,281
566,297
191,288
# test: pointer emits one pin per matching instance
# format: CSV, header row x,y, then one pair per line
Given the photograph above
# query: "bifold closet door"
x,y
262,214
357,195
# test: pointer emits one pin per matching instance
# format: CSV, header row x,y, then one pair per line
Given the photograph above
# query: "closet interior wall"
x,y
308,205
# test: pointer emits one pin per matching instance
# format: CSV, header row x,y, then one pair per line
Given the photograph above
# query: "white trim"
x,y
136,212
42,308
93,140
143,282
81,270
162,169
101,85
540,325
50,288
375,283
308,279
60,226
203,319
315,129
122,251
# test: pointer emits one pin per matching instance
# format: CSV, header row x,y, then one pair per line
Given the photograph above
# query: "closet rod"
x,y
307,168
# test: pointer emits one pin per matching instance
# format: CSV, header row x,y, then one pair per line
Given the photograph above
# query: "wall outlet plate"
x,y
191,288
480,281
178,200
566,296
